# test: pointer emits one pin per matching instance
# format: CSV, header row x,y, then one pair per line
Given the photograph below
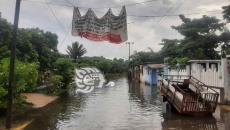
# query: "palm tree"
x,y
76,51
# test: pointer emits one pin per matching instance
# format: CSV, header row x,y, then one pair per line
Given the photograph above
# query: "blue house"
x,y
149,73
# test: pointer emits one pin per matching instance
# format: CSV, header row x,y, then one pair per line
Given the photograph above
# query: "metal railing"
x,y
204,99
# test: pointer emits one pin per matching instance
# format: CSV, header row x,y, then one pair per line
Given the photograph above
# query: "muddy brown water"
x,y
126,106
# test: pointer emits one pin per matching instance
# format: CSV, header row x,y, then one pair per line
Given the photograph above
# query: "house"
x,y
149,73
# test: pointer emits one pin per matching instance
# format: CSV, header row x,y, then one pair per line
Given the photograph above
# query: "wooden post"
x,y
12,66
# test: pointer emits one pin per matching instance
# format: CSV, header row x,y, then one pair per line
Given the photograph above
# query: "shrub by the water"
x,y
26,75
65,69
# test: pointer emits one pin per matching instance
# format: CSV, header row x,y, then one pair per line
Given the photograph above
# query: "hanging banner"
x,y
108,28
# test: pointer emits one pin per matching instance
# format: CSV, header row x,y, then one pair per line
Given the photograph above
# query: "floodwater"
x,y
126,106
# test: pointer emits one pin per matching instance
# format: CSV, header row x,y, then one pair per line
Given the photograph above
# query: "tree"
x,y
76,51
33,45
144,57
226,12
200,37
171,48
225,36
45,50
5,38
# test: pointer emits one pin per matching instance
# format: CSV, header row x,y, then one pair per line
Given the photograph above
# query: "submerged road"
x,y
126,106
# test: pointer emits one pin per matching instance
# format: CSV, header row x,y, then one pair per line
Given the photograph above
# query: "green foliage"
x,y
26,75
76,51
226,13
25,79
56,84
105,65
5,36
118,66
45,48
171,48
145,57
200,38
225,43
65,68
3,93
33,45
182,61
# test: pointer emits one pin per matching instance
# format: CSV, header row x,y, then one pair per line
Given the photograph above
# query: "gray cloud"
x,y
145,32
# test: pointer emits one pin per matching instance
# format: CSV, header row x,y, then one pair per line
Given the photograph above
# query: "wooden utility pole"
x,y
129,48
12,66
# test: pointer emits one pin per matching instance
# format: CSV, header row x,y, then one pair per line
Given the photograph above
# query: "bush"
x,y
25,78
56,84
65,69
3,93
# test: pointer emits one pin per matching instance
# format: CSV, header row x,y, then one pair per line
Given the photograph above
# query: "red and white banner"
x,y
108,28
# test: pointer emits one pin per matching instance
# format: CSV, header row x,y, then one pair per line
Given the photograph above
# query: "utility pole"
x,y
129,48
12,66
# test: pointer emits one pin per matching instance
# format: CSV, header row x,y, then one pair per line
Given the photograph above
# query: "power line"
x,y
142,16
66,36
172,9
70,4
60,24
50,3
67,1
174,15
127,5
53,13
133,4
137,16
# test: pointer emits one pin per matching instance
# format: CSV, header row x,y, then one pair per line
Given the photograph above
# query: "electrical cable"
x,y
70,4
142,16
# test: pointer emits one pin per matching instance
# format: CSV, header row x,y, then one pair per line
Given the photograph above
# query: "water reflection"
x,y
225,116
128,106
177,122
55,114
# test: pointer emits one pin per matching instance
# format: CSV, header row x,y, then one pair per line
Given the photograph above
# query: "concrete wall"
x,y
212,76
226,77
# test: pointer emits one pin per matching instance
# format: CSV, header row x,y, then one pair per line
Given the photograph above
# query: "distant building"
x,y
149,73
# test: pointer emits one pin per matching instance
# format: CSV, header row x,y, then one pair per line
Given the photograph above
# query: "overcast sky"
x,y
144,32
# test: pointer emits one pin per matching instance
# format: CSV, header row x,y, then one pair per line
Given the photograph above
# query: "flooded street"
x,y
122,107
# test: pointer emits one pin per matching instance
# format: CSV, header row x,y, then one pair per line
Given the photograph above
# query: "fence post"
x,y
226,78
